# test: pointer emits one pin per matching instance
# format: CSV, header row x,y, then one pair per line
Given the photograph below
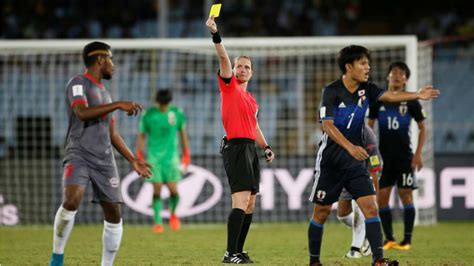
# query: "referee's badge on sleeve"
x,y
77,90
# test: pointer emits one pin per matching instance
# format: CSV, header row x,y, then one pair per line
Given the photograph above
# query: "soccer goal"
x,y
289,74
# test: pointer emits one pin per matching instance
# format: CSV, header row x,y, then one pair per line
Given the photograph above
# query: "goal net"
x,y
289,74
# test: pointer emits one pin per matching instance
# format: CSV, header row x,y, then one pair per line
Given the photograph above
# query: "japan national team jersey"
x,y
238,109
348,112
89,140
162,129
394,125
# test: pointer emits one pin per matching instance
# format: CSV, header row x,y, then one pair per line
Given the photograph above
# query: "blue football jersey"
x,y
394,126
348,112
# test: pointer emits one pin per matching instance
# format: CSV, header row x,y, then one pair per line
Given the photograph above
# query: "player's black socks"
x,y
408,221
315,235
386,217
243,232
373,233
234,226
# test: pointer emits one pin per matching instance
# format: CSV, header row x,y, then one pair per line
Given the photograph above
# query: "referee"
x,y
239,117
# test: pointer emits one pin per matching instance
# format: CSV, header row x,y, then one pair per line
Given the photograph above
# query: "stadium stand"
x,y
138,19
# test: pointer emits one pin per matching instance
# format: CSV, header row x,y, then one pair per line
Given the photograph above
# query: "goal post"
x,y
289,74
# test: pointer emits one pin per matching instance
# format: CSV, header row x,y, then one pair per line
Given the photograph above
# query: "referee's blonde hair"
x,y
245,57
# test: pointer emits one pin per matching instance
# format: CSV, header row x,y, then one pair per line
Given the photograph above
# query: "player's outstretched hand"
x,y
211,24
132,108
142,167
359,153
428,92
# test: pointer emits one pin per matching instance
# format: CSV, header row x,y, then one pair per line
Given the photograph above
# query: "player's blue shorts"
x,y
398,171
328,184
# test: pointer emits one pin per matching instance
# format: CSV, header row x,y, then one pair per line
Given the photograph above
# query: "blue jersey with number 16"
x,y
394,126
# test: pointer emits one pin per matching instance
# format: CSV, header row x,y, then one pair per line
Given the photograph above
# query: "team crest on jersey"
x,y
403,109
172,118
361,93
320,194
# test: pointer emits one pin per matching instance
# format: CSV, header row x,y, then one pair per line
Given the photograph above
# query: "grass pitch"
x,y
447,243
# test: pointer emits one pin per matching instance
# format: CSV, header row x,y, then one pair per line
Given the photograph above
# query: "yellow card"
x,y
215,10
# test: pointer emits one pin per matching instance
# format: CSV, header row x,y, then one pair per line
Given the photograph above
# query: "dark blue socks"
x,y
386,217
408,221
315,235
373,233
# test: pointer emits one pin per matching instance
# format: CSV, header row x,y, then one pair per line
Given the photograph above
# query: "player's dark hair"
x,y
349,54
90,47
164,96
402,66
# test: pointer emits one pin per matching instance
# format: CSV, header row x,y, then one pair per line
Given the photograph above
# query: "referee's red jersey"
x,y
238,109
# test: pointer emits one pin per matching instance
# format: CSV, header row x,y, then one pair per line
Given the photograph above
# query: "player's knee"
x,y
407,200
112,213
406,196
371,210
71,204
343,210
321,214
382,200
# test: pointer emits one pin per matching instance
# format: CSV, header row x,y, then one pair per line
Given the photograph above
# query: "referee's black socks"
x,y
244,231
234,227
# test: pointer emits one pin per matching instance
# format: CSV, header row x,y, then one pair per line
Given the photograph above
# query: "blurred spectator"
x,y
41,19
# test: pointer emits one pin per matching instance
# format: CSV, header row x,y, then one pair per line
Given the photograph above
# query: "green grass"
x,y
268,244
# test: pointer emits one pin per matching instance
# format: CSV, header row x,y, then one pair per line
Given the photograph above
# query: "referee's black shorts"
x,y
241,165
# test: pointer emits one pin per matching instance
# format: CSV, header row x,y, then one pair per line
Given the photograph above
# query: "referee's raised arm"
x,y
224,61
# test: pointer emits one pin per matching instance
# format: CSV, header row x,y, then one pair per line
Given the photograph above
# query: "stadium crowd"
x,y
138,19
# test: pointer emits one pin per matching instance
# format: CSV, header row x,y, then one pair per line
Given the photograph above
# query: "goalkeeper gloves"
x,y
140,155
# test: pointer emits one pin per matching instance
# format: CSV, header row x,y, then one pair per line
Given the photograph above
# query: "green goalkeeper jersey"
x,y
162,129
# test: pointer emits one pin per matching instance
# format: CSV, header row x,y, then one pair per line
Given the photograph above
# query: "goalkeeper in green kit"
x,y
160,126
